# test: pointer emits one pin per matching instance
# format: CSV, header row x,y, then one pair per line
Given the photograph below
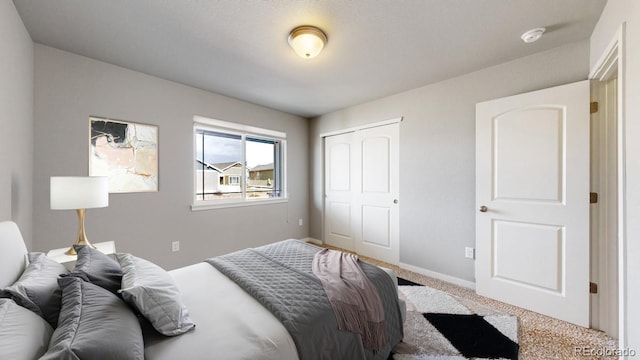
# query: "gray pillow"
x,y
94,324
23,334
97,268
152,291
37,289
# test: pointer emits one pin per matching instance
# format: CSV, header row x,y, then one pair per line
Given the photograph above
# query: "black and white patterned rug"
x,y
440,326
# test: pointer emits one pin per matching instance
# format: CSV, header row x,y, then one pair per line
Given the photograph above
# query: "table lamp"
x,y
79,193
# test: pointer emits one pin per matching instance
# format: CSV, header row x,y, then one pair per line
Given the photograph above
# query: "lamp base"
x,y
72,251
82,236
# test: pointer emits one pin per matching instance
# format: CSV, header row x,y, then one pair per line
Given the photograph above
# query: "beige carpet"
x,y
540,337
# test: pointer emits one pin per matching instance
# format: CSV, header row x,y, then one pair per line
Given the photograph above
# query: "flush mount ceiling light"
x,y
532,35
307,41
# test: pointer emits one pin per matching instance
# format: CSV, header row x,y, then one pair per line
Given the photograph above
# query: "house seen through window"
x,y
235,165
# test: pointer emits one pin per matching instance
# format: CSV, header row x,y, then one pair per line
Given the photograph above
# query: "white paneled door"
x,y
339,191
361,192
532,197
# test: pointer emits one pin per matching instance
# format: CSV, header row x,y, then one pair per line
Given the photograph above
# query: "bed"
x,y
229,322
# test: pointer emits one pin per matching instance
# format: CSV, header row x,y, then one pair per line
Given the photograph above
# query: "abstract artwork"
x,y
126,152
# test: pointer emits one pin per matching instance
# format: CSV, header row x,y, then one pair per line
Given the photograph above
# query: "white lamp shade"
x,y
307,41
79,192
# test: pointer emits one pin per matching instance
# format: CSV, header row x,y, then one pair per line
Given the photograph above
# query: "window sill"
x,y
232,204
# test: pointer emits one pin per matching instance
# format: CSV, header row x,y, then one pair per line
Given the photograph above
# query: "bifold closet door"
x,y
361,192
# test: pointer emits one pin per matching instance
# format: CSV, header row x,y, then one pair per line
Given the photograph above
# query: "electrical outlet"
x,y
469,253
300,222
175,246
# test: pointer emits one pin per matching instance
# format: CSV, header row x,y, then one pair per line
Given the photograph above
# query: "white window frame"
x,y
201,122
234,179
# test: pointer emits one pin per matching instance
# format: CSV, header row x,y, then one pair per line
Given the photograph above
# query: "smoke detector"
x,y
532,35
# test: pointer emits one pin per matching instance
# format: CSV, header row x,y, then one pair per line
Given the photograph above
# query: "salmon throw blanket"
x,y
354,299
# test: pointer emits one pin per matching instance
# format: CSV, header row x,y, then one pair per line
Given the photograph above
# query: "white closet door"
x,y
376,200
361,192
339,191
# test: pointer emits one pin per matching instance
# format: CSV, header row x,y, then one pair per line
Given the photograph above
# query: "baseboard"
x,y
436,275
313,241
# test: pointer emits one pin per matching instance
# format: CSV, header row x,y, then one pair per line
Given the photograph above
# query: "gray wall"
x,y
615,13
69,88
16,121
437,152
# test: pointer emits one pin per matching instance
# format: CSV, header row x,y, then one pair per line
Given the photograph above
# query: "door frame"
x,y
603,213
610,63
339,132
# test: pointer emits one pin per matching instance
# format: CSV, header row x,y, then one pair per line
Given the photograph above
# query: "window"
x,y
234,180
237,164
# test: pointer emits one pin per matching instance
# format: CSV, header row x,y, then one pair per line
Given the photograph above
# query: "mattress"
x,y
230,324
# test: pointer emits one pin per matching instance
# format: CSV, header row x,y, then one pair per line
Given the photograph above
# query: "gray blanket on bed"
x,y
279,276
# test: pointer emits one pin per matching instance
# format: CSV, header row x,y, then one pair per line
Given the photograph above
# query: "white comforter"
x,y
230,324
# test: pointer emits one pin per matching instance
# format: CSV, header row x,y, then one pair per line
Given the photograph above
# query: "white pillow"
x,y
23,334
151,290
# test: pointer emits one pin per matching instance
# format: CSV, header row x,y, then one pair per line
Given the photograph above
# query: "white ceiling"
x,y
239,48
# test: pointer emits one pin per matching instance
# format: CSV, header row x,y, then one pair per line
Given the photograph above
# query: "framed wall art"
x,y
126,152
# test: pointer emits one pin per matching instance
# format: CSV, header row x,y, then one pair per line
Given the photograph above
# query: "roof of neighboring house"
x,y
226,165
263,167
206,165
219,167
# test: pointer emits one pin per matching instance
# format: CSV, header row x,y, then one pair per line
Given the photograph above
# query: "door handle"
x,y
483,208
395,201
